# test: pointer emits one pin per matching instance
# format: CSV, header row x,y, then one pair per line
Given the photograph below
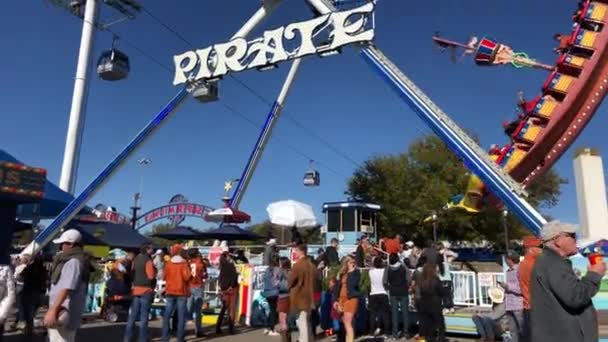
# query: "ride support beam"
x,y
500,183
47,234
264,137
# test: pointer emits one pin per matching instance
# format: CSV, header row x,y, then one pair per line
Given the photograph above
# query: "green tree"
x,y
413,184
159,228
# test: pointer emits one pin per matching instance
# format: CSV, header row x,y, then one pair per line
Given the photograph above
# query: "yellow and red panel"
x,y
560,83
529,132
545,107
513,158
585,39
596,12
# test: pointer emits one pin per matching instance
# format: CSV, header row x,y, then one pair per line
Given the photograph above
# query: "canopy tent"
x,y
230,232
109,234
180,233
53,202
227,214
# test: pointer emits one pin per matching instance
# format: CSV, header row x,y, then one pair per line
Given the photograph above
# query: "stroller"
x,y
117,300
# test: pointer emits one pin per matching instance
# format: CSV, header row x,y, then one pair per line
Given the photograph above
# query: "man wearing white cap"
x,y
561,306
69,281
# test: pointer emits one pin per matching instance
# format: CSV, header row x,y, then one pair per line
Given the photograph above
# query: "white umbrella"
x,y
291,213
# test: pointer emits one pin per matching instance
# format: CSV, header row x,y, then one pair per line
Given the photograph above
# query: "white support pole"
x,y
267,8
73,141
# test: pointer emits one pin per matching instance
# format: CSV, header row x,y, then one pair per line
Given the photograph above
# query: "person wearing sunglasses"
x,y
561,305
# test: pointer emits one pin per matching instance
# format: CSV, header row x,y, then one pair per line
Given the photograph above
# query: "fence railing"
x,y
485,281
465,288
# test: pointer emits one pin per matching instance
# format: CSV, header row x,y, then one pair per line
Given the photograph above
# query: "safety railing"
x,y
465,288
485,281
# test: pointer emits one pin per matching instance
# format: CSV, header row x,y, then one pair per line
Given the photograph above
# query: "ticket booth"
x,y
347,221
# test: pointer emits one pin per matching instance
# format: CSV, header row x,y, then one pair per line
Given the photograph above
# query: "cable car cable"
x,y
307,130
226,106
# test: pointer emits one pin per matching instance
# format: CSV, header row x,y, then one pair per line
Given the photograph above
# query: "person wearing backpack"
x,y
396,280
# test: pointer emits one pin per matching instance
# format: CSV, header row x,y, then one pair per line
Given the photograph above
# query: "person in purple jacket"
x,y
514,302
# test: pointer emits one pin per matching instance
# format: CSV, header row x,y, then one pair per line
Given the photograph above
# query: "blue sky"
x,y
339,99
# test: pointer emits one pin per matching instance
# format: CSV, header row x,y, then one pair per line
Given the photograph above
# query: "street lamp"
x,y
434,217
505,212
138,195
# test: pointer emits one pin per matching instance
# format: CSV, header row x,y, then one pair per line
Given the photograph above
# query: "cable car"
x,y
207,92
113,65
312,177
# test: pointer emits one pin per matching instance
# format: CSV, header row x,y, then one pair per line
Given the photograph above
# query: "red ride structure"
x,y
549,123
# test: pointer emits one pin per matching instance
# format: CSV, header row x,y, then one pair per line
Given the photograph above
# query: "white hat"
x,y
69,236
158,252
409,244
497,295
554,228
271,242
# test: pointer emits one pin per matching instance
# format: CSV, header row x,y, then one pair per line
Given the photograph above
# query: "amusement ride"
x,y
546,126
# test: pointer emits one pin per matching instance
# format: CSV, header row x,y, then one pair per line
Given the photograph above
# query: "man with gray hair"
x,y
562,309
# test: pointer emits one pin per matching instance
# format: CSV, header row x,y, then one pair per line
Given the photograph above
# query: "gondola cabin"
x,y
312,178
208,92
113,65
347,221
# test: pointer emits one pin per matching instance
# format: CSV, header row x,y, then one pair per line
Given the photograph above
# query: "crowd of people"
x,y
541,299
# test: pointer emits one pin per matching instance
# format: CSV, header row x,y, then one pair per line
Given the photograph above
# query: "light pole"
x,y
73,140
505,212
142,162
434,216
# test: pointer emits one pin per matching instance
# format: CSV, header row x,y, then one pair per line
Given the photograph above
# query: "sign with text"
x,y
22,182
176,209
323,34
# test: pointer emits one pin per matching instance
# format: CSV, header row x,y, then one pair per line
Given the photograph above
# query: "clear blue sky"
x,y
339,98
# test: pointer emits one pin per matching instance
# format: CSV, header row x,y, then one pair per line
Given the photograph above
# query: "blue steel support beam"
x,y
500,183
47,234
264,136
454,137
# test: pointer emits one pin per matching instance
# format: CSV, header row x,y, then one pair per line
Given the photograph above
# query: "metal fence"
x,y
485,281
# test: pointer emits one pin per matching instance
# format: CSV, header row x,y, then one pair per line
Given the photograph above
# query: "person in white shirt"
x,y
378,299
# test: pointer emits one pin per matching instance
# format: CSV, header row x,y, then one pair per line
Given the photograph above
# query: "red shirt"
x,y
198,271
392,245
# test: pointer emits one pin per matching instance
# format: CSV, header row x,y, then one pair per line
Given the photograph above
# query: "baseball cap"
x,y
554,228
409,244
69,236
271,242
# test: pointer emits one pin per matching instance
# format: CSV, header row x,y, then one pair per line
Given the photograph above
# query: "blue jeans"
x,y
173,304
195,305
486,327
400,306
140,306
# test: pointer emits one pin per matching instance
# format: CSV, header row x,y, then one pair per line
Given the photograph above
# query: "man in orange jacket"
x,y
195,301
533,249
177,291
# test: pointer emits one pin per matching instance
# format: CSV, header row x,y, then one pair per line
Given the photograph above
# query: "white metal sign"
x,y
347,27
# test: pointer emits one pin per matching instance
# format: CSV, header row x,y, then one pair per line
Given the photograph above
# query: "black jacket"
x,y
397,280
360,256
228,275
331,256
352,285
